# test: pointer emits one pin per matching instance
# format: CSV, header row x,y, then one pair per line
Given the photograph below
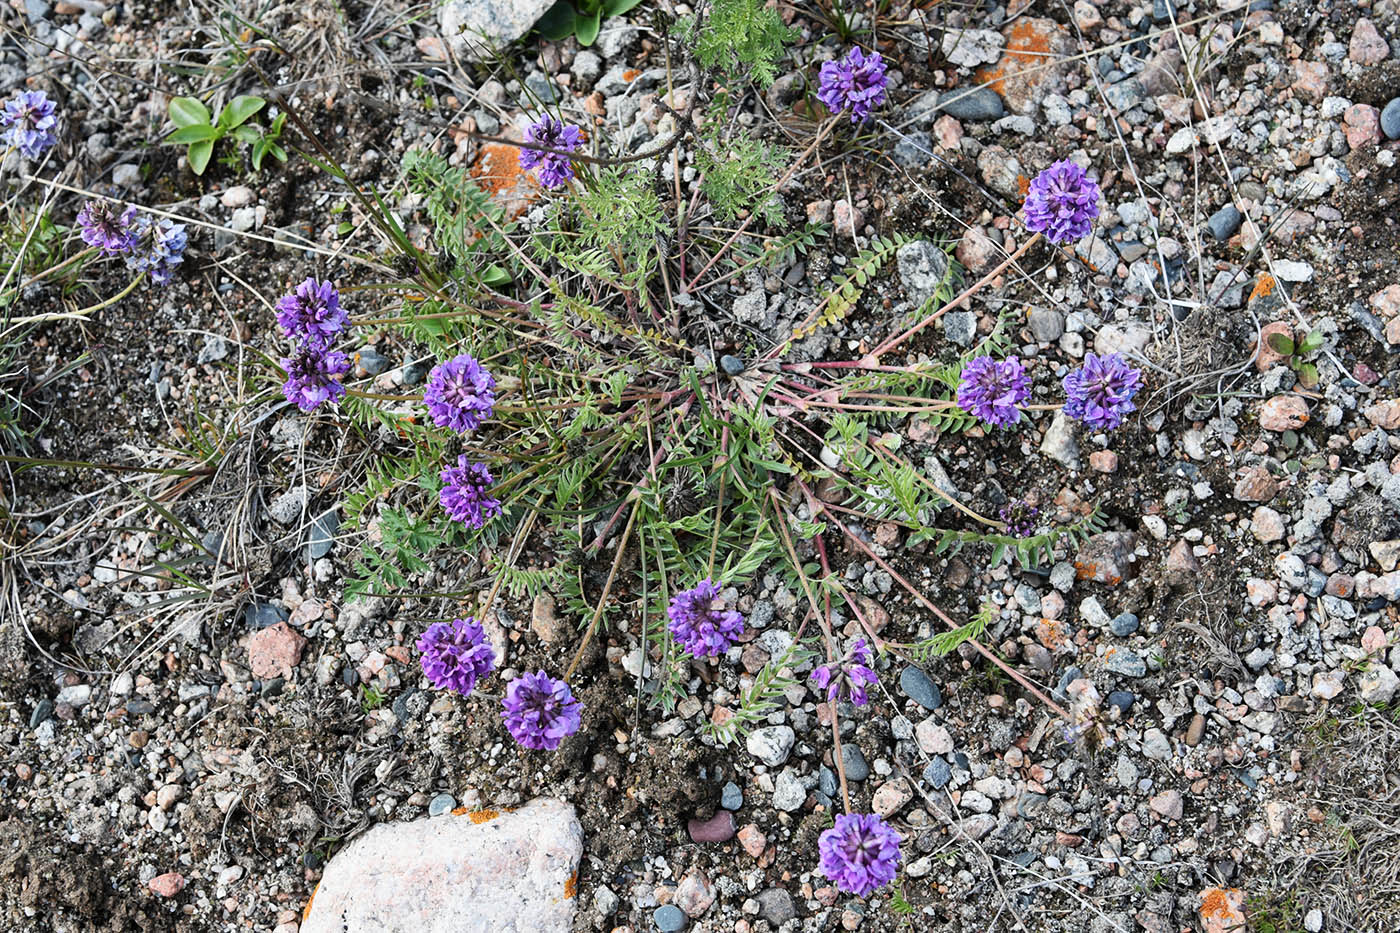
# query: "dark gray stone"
x,y
938,774
42,711
416,372
1121,699
669,918
732,365
263,615
1124,625
914,150
776,906
978,105
731,797
917,687
1225,222
1390,119
320,537
827,781
856,767
371,361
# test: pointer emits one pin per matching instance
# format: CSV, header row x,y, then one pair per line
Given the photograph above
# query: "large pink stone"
x,y
482,872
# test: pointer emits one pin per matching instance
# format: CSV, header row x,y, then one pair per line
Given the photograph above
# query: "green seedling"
x,y
196,128
1295,353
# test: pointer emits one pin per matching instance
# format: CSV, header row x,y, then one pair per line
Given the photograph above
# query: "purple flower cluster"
x,y
1020,518
847,678
159,248
109,227
152,247
312,316
856,83
1101,392
554,168
29,121
464,493
700,627
991,390
460,394
540,711
312,313
860,854
456,654
311,377
1062,203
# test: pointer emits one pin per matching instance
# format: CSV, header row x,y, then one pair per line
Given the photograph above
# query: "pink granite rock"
x,y
482,872
275,650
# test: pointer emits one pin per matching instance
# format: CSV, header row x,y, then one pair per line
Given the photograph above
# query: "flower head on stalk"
x,y
311,377
464,493
109,227
554,168
856,82
312,313
456,654
460,394
847,677
160,247
1100,393
540,711
29,121
992,390
700,627
1062,203
860,854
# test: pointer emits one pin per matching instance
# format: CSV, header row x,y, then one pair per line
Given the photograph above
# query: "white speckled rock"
x,y
475,27
511,873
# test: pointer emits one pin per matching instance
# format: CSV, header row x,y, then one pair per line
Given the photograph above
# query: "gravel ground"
x,y
187,754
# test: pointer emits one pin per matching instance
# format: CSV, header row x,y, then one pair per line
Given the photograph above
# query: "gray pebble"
x,y
320,538
960,327
917,687
1224,222
416,372
1047,325
1125,662
263,615
731,365
938,774
669,918
1124,625
856,767
1390,119
981,104
731,797
441,804
827,782
777,906
371,361
913,151
1121,699
42,711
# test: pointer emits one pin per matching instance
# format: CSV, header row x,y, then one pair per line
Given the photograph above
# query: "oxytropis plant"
x,y
586,406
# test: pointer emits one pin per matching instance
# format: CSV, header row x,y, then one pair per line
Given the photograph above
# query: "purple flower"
x,y
554,168
991,390
29,122
847,677
700,628
107,226
1019,518
855,83
860,854
456,654
464,495
311,377
540,711
312,313
1101,392
159,248
460,394
1062,203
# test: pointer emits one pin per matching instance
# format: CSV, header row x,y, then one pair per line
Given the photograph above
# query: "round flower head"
x,y
460,394
463,494
456,654
312,313
554,168
1020,518
159,248
848,677
856,83
1062,203
311,378
700,628
540,711
29,123
860,854
991,390
1101,392
109,227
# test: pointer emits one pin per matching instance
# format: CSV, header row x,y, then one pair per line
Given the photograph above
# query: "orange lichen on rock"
x,y
1033,45
306,911
1222,910
1263,287
483,816
497,171
571,886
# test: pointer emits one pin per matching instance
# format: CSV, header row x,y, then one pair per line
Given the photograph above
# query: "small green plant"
x,y
197,129
580,18
1296,353
370,699
741,38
